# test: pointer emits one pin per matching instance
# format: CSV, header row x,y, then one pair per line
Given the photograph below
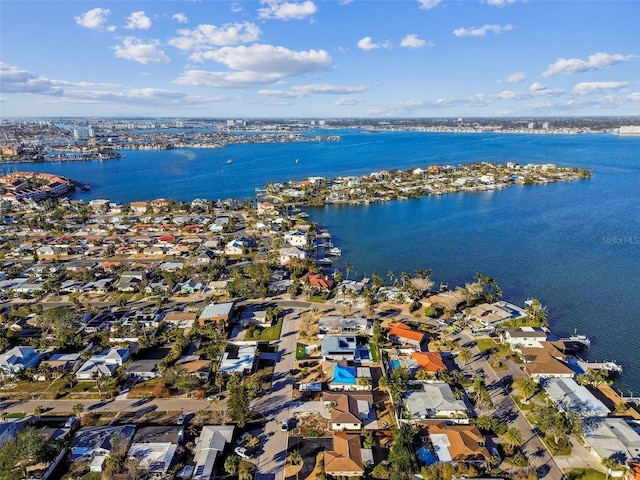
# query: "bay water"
x,y
575,246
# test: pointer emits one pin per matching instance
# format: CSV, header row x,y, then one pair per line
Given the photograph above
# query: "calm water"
x,y
575,246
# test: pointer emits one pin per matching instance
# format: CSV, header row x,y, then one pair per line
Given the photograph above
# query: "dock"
x,y
611,367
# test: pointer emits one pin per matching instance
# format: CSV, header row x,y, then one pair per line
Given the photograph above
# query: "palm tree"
x,y
465,355
245,471
38,411
348,268
527,386
231,465
611,464
513,437
77,409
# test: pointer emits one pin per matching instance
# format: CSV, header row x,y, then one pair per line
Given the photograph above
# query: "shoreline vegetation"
x,y
386,185
61,140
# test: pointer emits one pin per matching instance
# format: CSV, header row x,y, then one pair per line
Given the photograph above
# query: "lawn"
x,y
270,334
586,474
300,352
485,344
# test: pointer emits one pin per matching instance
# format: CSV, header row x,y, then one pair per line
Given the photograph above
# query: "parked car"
x,y
285,425
241,452
181,419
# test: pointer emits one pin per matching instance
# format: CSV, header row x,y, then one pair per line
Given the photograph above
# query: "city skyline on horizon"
x,y
319,59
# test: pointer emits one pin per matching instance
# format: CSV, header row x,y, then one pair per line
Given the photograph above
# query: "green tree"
x,y
238,403
465,355
513,438
404,463
245,470
527,386
27,448
77,409
231,465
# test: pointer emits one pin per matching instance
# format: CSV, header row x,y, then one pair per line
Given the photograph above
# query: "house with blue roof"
x,y
15,360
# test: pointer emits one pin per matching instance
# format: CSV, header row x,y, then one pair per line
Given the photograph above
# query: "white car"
x,y
241,452
284,425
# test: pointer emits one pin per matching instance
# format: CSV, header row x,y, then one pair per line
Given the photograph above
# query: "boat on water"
x,y
229,161
325,261
297,160
335,251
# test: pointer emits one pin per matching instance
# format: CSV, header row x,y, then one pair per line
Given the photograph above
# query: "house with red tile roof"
x,y
455,443
430,362
403,334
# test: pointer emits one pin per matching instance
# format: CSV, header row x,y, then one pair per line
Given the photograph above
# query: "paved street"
x,y
538,455
275,406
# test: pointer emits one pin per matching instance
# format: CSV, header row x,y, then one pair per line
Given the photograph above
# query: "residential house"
x,y
339,347
336,324
490,315
612,438
433,401
455,443
130,281
238,359
196,368
570,397
402,334
104,364
296,238
216,312
209,447
549,361
91,442
318,282
143,369
430,362
156,449
349,411
345,460
16,359
349,378
524,337
291,253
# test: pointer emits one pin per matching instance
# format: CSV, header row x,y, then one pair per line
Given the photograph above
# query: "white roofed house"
x,y
16,359
613,438
156,449
433,401
296,238
104,364
570,397
209,446
291,253
524,337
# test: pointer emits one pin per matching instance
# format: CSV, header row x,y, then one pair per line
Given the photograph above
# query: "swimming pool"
x,y
395,364
426,456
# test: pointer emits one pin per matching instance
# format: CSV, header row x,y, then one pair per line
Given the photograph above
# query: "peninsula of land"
x,y
223,322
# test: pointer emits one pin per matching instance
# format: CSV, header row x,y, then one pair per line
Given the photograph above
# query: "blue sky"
x,y
319,59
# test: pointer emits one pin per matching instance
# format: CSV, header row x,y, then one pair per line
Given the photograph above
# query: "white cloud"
x,y
203,78
412,41
138,51
300,91
428,4
282,10
514,78
15,80
482,31
501,3
138,21
367,44
635,96
95,19
597,61
235,7
267,58
586,88
346,101
180,17
255,65
206,37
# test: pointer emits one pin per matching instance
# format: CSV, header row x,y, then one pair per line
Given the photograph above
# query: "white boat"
x,y
335,251
324,261
229,161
